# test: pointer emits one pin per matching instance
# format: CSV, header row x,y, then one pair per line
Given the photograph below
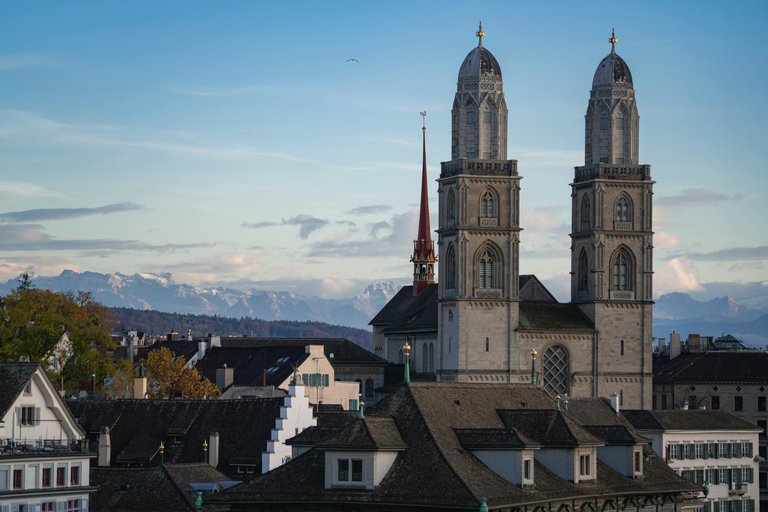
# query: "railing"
x,y
614,171
479,166
41,446
737,490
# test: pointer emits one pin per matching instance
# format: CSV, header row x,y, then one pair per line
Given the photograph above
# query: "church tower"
x,y
478,285
424,257
612,237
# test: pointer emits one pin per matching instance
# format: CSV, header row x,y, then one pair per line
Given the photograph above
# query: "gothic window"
x,y
623,209
619,123
622,270
431,358
604,123
555,366
586,213
485,274
487,205
583,272
450,270
451,205
424,358
622,347
369,388
487,344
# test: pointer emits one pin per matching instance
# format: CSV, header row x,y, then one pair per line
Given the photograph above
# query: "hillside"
x,y
158,323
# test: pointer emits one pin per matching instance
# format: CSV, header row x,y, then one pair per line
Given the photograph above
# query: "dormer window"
x,y
349,470
585,466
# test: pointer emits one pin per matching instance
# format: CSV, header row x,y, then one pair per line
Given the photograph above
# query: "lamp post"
x,y
533,366
407,352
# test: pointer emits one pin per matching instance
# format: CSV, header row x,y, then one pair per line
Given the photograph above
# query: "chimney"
x,y
105,447
189,335
201,346
694,343
224,377
675,345
213,449
139,387
662,345
213,340
615,402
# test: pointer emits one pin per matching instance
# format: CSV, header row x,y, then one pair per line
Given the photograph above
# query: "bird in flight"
x,y
354,60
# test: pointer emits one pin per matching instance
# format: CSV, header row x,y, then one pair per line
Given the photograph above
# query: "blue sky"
x,y
232,142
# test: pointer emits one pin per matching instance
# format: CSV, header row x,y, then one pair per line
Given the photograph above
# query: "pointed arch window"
x,y
487,205
485,271
586,213
623,210
450,269
451,205
555,367
621,272
583,272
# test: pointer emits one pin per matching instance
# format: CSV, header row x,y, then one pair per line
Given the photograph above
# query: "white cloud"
x,y
25,189
677,275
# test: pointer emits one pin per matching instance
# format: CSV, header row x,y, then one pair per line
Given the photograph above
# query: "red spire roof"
x,y
423,247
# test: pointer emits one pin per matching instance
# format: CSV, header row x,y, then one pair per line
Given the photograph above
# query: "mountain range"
x,y
746,319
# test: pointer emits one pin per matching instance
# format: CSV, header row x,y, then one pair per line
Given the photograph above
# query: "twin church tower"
x,y
485,322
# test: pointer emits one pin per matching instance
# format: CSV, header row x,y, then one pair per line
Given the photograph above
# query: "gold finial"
x,y
205,445
480,34
423,120
162,447
613,39
406,349
534,353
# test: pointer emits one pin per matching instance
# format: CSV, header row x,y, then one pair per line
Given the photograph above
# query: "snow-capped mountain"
x,y
160,292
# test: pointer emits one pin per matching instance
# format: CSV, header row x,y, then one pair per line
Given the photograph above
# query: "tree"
x,y
168,375
69,334
121,383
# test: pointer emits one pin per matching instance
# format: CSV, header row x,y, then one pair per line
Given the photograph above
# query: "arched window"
x,y
485,271
583,272
400,356
369,388
451,205
487,205
622,270
586,213
424,358
450,269
555,366
431,358
623,210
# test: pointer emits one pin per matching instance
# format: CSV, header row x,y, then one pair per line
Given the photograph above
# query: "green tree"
x,y
168,375
68,333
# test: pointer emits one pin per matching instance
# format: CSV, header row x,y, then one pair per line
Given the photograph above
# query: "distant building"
x,y
732,381
707,447
44,462
460,446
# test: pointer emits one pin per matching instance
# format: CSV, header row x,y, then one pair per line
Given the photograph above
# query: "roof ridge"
x,y
184,495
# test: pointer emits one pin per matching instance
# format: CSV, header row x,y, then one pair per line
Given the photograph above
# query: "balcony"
x,y
478,167
613,171
737,490
42,447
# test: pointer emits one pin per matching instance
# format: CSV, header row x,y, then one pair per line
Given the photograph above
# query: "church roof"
x,y
479,63
552,316
612,72
407,313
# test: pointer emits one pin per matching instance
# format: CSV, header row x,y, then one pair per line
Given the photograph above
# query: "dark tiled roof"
x,y
687,420
159,488
181,348
244,427
717,366
549,427
248,363
13,379
599,418
344,351
493,438
531,289
551,316
406,313
436,470
373,433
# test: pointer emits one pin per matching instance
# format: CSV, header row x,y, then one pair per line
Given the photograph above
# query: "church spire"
x,y
424,257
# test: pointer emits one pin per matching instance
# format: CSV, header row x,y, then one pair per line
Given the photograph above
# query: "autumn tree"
x,y
168,375
120,385
68,333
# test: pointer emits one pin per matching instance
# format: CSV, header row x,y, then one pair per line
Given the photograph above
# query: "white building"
x,y
711,448
43,463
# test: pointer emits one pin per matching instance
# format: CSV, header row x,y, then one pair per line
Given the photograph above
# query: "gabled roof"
x,y
157,488
248,363
493,439
695,420
531,289
367,433
406,313
549,427
599,418
138,427
14,377
435,469
342,350
719,366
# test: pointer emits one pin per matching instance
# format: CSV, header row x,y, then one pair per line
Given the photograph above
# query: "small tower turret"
x,y
424,256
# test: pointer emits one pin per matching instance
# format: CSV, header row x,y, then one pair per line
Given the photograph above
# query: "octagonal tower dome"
x,y
480,66
612,71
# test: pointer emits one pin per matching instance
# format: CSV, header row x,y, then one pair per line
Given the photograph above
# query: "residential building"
x,y
44,461
478,324
708,447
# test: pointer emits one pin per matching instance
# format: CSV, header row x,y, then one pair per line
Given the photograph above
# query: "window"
x,y
715,403
736,450
712,451
47,477
687,451
424,359
369,388
619,123
725,476
638,459
451,205
763,480
73,506
604,123
724,450
350,470
674,451
761,403
74,475
431,358
316,380
487,205
555,366
738,403
699,451
486,271
603,159
526,469
584,465
47,506
622,347
623,210
747,475
470,118
353,404
583,272
586,214
60,476
620,272
762,424
692,402
450,272
487,344
664,402
29,416
18,480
